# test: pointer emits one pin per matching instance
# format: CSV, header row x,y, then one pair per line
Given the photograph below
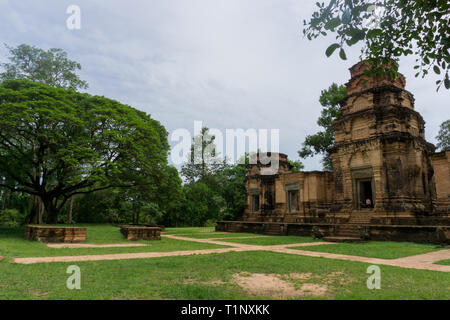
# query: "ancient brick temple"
x,y
387,183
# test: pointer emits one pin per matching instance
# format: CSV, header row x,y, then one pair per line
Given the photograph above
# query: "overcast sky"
x,y
229,63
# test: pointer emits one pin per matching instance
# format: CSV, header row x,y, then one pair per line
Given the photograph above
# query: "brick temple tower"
x,y
382,164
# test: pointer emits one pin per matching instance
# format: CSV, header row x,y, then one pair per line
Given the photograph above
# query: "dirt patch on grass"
x,y
300,276
272,285
38,293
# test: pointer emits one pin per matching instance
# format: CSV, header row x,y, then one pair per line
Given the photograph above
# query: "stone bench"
x,y
141,232
55,233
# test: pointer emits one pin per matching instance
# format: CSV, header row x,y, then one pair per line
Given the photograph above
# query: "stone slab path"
x,y
86,245
422,262
401,262
121,256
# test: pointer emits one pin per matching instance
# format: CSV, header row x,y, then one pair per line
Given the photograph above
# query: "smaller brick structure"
x,y
140,232
55,234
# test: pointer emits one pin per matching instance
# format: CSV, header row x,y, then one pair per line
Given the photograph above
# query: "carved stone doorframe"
x,y
359,175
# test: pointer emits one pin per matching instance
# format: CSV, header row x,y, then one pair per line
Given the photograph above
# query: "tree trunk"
x,y
41,211
70,209
36,210
52,211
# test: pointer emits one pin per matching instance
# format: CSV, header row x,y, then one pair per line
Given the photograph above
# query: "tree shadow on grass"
x,y
12,233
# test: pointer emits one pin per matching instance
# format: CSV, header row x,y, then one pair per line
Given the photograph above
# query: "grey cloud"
x,y
231,64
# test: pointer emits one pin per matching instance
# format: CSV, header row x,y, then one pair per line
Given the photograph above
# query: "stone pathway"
x,y
85,245
422,262
121,256
401,262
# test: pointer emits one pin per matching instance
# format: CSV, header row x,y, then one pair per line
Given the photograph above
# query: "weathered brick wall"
x,y
441,166
55,234
141,233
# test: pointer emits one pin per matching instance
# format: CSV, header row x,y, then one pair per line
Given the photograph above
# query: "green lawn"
x,y
188,230
374,249
13,244
444,262
210,276
212,235
273,240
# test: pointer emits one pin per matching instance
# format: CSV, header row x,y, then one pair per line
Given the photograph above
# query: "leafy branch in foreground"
x,y
388,30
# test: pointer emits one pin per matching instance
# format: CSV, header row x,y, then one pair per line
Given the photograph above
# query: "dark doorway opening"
x,y
365,194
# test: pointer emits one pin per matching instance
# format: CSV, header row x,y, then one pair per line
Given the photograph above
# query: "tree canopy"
x,y
388,30
444,136
56,143
204,160
320,142
51,67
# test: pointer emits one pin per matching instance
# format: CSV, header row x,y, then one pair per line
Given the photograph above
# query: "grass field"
x,y
273,240
376,249
13,244
444,262
229,275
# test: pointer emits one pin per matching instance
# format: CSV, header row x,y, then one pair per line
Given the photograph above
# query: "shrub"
x,y
11,218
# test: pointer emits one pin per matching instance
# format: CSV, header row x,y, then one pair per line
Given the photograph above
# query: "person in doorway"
x,y
368,203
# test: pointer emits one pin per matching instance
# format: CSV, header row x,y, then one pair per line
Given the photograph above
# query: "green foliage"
x,y
388,29
232,190
56,143
220,186
443,137
11,218
51,67
320,142
204,160
202,204
297,165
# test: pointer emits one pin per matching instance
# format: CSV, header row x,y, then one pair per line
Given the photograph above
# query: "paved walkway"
x,y
86,245
422,262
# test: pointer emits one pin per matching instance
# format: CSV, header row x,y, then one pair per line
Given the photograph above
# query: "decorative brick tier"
x,y
141,232
413,233
55,234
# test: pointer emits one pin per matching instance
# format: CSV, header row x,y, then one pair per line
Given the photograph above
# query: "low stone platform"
x,y
140,232
412,233
55,233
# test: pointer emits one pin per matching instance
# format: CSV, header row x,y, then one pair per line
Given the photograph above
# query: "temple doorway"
x,y
365,194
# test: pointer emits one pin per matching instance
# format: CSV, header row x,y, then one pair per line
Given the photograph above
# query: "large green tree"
x,y
388,29
57,143
204,160
320,142
443,137
51,67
